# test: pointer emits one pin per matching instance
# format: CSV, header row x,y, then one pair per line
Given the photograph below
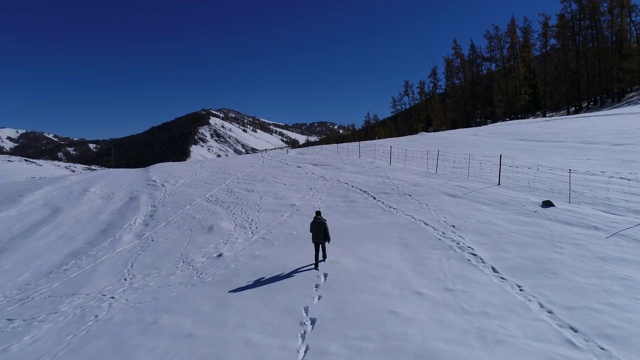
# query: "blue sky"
x,y
101,69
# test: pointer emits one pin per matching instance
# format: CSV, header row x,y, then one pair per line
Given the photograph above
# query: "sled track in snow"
x,y
458,243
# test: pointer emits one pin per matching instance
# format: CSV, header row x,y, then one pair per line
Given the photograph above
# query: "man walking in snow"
x,y
319,236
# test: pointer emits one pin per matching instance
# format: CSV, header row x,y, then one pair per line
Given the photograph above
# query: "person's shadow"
x,y
262,281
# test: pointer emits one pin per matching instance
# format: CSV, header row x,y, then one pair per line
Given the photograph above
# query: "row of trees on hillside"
x,y
167,142
588,57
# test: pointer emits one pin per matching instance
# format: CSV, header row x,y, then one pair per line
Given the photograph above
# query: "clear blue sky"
x,y
101,69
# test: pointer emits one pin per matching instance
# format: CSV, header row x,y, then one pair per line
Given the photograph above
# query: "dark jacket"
x,y
319,230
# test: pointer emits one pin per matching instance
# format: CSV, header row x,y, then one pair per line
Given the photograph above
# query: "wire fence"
x,y
616,194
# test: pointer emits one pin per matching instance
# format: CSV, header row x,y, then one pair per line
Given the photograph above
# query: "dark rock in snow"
x,y
547,204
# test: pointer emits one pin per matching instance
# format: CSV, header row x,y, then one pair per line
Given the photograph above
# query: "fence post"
x,y
427,161
437,161
375,149
469,166
500,169
358,149
569,186
338,148
405,157
390,151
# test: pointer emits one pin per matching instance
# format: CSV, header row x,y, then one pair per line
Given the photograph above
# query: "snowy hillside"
x,y
16,168
224,137
205,134
10,138
6,136
429,258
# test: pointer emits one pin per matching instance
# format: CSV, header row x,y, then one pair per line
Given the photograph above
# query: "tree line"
x,y
587,55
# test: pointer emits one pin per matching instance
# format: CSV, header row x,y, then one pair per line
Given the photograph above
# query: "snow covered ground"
x,y
211,259
14,168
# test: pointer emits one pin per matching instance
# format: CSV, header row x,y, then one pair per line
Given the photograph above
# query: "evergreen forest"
x,y
584,57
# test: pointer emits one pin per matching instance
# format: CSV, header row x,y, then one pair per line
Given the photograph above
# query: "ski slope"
x,y
211,259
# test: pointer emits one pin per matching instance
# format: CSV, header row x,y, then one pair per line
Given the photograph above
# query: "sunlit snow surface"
x,y
14,168
210,259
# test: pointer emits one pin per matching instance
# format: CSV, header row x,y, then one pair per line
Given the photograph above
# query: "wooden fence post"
x,y
437,161
427,160
569,186
390,151
500,169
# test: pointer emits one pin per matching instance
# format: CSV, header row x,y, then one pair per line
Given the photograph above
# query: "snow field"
x,y
212,259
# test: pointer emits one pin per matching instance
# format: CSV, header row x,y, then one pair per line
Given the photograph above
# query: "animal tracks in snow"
x,y
308,323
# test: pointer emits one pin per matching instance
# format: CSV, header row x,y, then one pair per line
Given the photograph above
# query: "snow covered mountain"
x,y
23,141
230,132
8,138
200,135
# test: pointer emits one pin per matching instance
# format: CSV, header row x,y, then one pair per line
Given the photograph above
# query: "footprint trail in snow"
x,y
308,323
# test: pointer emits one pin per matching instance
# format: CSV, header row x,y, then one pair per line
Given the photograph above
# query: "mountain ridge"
x,y
202,134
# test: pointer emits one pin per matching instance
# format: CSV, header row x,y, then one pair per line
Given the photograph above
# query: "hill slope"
x,y
200,135
211,259
16,168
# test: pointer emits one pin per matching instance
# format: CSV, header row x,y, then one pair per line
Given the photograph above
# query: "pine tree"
x,y
513,68
475,77
497,63
529,90
435,108
544,50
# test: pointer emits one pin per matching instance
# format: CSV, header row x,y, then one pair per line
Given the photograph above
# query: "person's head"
x,y
318,213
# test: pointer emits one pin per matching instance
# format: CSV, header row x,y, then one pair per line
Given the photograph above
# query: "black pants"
x,y
324,252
